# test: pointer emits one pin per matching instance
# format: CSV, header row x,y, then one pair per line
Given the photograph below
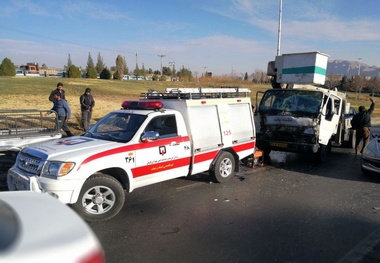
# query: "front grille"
x,y
29,163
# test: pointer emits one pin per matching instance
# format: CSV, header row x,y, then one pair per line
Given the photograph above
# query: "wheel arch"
x,y
234,154
119,174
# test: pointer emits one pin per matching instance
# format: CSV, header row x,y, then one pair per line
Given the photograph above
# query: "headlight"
x,y
368,153
371,150
54,168
309,130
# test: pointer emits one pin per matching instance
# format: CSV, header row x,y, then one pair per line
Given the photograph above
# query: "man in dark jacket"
x,y
87,103
58,89
361,122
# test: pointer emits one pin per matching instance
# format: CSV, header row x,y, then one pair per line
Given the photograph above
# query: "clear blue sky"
x,y
219,36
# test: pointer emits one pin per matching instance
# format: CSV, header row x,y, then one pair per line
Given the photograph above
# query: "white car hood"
x,y
64,148
48,230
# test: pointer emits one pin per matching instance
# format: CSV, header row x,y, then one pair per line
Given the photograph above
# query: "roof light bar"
x,y
142,105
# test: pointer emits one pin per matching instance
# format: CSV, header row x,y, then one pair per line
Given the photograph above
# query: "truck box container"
x,y
302,68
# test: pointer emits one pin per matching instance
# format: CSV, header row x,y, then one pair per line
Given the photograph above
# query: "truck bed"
x,y
22,127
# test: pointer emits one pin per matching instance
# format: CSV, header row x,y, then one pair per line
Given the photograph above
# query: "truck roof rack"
x,y
198,93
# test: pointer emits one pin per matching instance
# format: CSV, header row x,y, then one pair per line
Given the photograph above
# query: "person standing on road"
x,y
60,90
63,111
361,122
87,103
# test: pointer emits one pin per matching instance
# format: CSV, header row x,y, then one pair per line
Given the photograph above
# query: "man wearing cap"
x,y
87,103
361,122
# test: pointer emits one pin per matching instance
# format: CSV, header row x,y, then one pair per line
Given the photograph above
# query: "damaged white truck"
x,y
163,136
299,115
21,128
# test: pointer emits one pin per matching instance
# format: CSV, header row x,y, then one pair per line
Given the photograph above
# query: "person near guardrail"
x,y
361,122
87,103
60,90
63,111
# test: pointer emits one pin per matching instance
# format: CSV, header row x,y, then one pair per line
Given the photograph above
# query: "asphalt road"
x,y
290,211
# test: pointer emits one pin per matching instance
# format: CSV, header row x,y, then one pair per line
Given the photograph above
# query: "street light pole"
x,y
161,63
279,29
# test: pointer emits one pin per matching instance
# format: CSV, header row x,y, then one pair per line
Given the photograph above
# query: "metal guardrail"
x,y
15,123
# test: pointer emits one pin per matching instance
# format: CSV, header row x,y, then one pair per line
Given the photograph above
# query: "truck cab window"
x,y
166,126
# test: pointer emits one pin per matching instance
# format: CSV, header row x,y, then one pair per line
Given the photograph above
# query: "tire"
x,y
6,162
224,168
321,155
352,141
100,198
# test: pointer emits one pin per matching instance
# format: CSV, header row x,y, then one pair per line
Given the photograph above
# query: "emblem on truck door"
x,y
162,150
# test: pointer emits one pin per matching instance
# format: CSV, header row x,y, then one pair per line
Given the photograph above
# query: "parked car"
x,y
36,227
371,156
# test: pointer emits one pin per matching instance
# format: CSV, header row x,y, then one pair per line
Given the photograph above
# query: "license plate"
x,y
279,144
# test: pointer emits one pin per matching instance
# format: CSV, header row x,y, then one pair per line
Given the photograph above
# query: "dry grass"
x,y
33,93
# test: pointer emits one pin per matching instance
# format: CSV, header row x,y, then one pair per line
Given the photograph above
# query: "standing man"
x,y
60,90
63,111
87,103
361,122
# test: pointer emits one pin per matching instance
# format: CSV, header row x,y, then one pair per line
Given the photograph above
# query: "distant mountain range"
x,y
351,68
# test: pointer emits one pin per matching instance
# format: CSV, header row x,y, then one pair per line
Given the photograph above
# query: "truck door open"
x,y
331,111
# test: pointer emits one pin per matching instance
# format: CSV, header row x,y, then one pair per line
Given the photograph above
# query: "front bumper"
x,y
371,165
293,147
65,190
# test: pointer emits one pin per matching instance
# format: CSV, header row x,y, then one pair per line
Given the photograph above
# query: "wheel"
x,y
100,199
321,155
6,162
352,139
224,168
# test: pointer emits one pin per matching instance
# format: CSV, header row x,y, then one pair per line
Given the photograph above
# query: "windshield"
x,y
116,126
301,102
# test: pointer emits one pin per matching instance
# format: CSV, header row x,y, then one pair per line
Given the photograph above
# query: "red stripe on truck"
x,y
160,167
202,157
134,147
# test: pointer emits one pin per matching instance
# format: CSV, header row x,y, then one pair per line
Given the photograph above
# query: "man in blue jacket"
x,y
361,122
64,112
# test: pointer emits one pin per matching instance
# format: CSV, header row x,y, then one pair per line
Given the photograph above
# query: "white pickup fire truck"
x,y
162,136
300,115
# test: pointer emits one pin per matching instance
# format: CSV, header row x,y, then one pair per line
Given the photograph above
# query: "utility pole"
x,y
279,29
359,66
137,64
172,64
161,63
204,70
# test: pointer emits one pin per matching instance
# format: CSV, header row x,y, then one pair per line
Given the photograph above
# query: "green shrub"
x,y
7,68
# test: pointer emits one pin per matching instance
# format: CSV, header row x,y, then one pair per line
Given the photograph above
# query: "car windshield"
x,y
295,102
116,126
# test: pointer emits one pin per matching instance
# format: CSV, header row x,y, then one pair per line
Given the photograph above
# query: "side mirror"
x,y
149,136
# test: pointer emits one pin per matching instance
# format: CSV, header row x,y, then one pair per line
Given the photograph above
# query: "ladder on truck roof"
x,y
198,93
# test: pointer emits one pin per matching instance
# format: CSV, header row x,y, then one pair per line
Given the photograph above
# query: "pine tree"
x,y
69,62
7,68
91,72
100,64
